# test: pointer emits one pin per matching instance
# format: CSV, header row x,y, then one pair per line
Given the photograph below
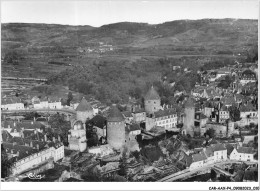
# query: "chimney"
x,y
9,127
59,138
38,147
18,153
32,122
35,131
31,144
84,126
53,139
14,124
34,119
45,138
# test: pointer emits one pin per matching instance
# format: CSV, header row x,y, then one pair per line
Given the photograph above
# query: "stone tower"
x,y
152,101
84,111
189,115
115,128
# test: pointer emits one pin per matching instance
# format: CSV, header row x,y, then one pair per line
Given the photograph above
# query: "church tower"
x,y
115,128
152,101
189,115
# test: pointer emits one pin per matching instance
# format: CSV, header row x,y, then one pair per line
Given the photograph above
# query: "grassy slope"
x,y
139,48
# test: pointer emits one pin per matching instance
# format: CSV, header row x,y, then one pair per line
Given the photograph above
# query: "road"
x,y
67,111
187,172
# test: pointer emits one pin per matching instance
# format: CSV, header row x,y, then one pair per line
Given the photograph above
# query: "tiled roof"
x,y
99,121
198,157
209,152
247,150
115,115
166,112
84,106
127,114
248,107
230,148
218,147
189,102
6,136
152,94
133,127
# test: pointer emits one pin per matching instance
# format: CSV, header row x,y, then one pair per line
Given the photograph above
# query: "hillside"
x,y
122,57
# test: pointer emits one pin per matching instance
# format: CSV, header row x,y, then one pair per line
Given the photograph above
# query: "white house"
x,y
198,161
242,154
133,129
223,114
166,118
220,152
55,104
12,104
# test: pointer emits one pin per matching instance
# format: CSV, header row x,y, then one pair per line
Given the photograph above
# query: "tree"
x,y
70,97
58,121
210,132
234,113
123,163
6,164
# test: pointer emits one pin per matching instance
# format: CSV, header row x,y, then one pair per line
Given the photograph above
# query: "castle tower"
x,y
189,115
152,101
84,111
115,128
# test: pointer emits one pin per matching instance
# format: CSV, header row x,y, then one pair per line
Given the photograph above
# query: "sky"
x,y
97,13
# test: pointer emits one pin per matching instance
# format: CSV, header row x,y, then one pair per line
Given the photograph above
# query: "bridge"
x,y
25,79
188,173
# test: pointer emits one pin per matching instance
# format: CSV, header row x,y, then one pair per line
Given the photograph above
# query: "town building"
x,y
223,114
248,76
242,154
77,137
12,104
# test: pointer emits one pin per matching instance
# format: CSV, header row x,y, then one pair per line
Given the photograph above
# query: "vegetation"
x,y
57,121
210,132
234,113
225,83
6,164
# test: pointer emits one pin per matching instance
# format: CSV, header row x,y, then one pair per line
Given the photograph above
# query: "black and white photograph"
x,y
113,91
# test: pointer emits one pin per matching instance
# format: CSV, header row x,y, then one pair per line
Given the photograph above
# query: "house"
x,y
133,129
166,118
138,114
33,154
128,116
248,76
223,114
12,104
220,152
228,100
198,161
223,72
102,150
55,103
242,154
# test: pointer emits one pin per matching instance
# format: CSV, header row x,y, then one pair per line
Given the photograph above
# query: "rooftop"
x,y
115,115
84,106
152,94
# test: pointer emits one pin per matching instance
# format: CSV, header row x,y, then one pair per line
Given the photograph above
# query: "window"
x,y
154,102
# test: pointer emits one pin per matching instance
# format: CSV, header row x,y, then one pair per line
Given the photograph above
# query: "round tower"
x,y
115,128
189,115
152,101
84,111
